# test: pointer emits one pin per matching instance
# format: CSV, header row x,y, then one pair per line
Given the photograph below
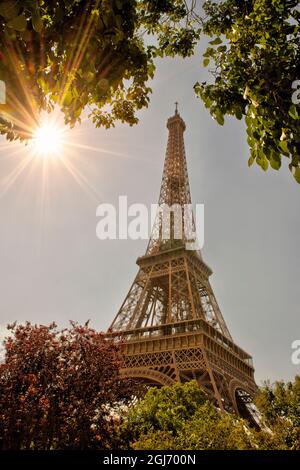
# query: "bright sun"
x,y
47,140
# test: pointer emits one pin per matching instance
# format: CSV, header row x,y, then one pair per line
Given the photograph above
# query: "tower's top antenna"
x,y
176,107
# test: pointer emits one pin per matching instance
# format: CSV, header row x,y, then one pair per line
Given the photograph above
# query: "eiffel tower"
x,y
170,322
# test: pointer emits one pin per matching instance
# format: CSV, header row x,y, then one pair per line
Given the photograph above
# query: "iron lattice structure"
x,y
170,322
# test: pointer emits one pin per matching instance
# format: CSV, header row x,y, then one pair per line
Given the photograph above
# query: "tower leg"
x,y
213,382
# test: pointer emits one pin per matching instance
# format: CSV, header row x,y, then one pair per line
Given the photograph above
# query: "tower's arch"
x,y
241,396
150,376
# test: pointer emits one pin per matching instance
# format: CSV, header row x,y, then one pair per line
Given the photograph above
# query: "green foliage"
x,y
181,417
280,407
164,409
155,440
81,53
209,429
255,52
100,54
62,390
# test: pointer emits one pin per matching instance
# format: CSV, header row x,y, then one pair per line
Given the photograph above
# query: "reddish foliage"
x,y
57,388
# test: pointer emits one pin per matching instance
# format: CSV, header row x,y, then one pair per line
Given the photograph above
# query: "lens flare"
x,y
47,141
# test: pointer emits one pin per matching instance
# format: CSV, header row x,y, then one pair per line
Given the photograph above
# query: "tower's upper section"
x,y
176,120
175,196
175,182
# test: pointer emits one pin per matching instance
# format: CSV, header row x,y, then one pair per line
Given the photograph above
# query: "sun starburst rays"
x,y
47,141
26,93
53,147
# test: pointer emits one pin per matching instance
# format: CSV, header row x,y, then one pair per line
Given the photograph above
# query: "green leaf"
x,y
206,62
264,164
19,23
297,175
208,102
251,161
284,147
216,41
37,23
44,85
9,9
119,21
250,141
26,35
209,52
219,117
248,121
90,76
106,18
239,114
103,84
68,98
293,112
275,163
246,92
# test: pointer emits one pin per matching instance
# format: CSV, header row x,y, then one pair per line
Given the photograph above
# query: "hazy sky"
x,y
53,268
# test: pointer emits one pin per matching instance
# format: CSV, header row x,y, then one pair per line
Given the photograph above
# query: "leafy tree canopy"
x,y
182,418
280,407
79,53
99,55
58,389
62,390
165,409
255,63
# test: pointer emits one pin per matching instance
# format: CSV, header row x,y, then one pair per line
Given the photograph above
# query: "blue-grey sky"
x,y
53,268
